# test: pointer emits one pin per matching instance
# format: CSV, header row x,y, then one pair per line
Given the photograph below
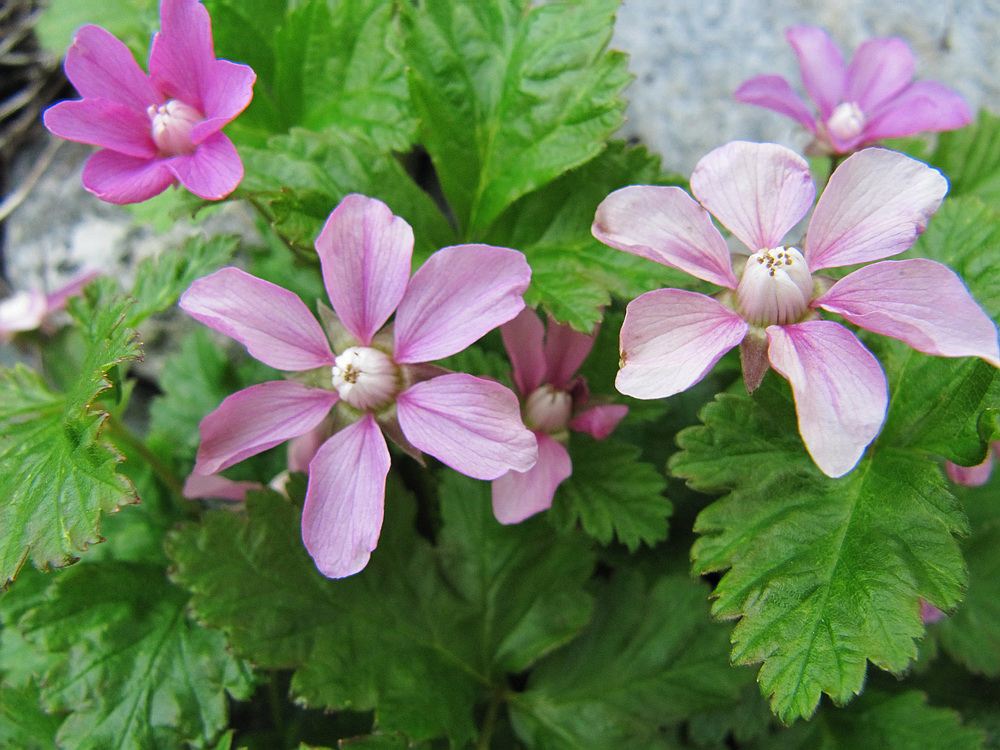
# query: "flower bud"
x,y
547,409
775,288
171,127
365,378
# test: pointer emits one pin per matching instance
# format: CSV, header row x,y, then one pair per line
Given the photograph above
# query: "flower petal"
x,y
120,179
671,338
22,311
365,252
345,500
523,338
840,391
759,191
918,301
103,123
775,93
880,69
472,425
970,476
213,171
821,64
599,421
664,224
875,205
518,495
565,351
230,89
459,295
218,487
273,323
181,56
922,106
257,418
102,67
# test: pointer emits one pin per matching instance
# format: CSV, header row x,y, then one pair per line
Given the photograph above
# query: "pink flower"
x,y
553,400
159,129
376,379
929,614
973,476
28,310
875,206
873,98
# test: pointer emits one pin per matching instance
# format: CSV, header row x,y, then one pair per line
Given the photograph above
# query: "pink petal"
x,y
918,301
970,476
759,191
775,93
881,68
57,300
665,225
821,64
302,449
875,205
839,389
523,338
213,171
472,425
257,418
104,123
272,322
181,56
120,179
22,311
230,89
101,67
459,295
599,421
670,339
365,252
565,351
924,105
518,495
342,516
217,487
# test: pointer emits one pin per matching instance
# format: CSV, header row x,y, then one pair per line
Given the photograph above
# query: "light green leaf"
x,y
970,157
23,723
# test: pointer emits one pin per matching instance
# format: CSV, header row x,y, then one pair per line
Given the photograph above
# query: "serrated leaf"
x,y
510,95
633,672
23,723
132,669
824,573
56,475
970,157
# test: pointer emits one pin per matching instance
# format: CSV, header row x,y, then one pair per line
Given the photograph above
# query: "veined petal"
x,y
230,89
922,106
671,338
565,351
102,67
103,123
459,295
273,323
218,487
518,495
880,69
839,389
345,500
472,425
876,205
213,171
599,421
918,301
775,93
365,252
821,64
523,338
257,418
664,224
181,56
120,179
759,191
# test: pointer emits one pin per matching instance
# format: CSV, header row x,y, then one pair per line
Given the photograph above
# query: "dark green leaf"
x,y
23,723
970,157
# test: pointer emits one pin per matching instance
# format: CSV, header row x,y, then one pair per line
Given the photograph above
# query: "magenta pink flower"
x,y
376,378
553,400
159,129
875,205
873,98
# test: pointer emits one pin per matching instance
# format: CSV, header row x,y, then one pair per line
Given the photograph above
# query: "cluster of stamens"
x,y
171,126
775,288
365,378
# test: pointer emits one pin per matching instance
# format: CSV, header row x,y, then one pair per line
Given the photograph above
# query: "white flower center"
x,y
846,122
365,378
171,127
547,409
775,288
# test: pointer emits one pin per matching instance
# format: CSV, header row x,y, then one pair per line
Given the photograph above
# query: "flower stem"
x,y
490,720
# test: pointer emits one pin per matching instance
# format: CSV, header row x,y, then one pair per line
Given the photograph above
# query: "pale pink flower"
x,y
553,400
873,98
376,378
875,205
159,129
973,476
28,310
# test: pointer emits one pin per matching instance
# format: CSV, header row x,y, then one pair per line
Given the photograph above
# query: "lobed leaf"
x,y
970,157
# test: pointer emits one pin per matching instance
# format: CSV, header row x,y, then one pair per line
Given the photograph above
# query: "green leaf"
x,y
510,95
129,20
970,157
824,574
635,670
131,668
23,723
612,493
56,474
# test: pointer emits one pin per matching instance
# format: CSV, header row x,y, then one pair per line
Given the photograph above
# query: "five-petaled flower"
x,y
377,379
554,400
875,205
159,129
873,98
